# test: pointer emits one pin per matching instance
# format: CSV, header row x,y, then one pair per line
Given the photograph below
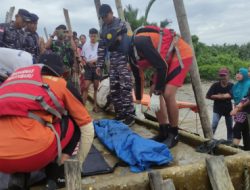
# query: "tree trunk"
x,y
194,72
120,11
97,6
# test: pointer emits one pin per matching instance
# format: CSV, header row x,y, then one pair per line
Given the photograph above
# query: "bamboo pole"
x,y
97,6
194,72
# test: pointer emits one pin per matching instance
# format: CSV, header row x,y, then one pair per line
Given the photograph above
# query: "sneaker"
x,y
129,121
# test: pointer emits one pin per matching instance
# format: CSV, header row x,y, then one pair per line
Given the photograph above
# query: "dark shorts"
x,y
90,73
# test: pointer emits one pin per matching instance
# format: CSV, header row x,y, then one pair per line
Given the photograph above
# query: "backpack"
x,y
103,94
24,92
163,39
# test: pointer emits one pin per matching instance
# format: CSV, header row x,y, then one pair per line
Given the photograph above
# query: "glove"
x,y
87,136
138,111
155,103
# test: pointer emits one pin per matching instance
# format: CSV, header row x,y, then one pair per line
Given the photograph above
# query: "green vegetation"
x,y
211,58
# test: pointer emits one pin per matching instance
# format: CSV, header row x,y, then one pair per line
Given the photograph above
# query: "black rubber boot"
x,y
163,133
173,137
55,176
18,181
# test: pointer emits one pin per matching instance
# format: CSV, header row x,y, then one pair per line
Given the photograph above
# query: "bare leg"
x,y
162,114
85,91
172,108
236,141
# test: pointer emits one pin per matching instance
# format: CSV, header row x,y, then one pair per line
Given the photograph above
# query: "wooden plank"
x,y
155,180
218,173
168,185
67,20
72,174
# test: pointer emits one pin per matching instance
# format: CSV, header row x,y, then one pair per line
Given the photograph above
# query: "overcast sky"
x,y
213,21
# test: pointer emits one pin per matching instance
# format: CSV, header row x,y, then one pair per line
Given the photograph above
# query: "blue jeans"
x,y
229,124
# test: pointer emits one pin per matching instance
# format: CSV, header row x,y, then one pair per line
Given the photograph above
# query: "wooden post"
x,y
168,184
11,13
75,69
7,17
218,173
97,6
46,33
194,72
155,180
73,174
120,11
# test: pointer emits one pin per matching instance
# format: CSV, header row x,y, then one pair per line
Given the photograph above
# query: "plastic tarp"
x,y
139,153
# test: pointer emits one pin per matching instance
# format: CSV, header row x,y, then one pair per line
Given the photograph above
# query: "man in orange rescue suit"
x,y
170,57
41,119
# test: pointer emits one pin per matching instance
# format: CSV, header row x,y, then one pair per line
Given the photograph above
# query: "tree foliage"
x,y
211,58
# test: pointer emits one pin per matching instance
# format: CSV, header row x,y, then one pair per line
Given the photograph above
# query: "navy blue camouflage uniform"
x,y
11,37
32,44
120,76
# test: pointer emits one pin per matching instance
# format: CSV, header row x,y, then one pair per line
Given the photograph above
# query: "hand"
x,y
138,111
234,111
98,71
155,103
91,63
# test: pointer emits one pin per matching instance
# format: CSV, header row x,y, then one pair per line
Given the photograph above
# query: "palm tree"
x,y
151,2
131,15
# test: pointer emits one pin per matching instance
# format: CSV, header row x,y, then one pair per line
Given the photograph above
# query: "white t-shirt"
x,y
12,59
89,51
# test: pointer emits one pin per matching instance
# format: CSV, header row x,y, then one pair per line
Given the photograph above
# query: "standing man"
x,y
64,46
120,76
11,34
32,38
222,103
89,54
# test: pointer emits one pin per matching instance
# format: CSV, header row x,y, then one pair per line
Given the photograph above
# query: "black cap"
x,y
61,27
53,61
104,10
24,14
93,31
33,17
